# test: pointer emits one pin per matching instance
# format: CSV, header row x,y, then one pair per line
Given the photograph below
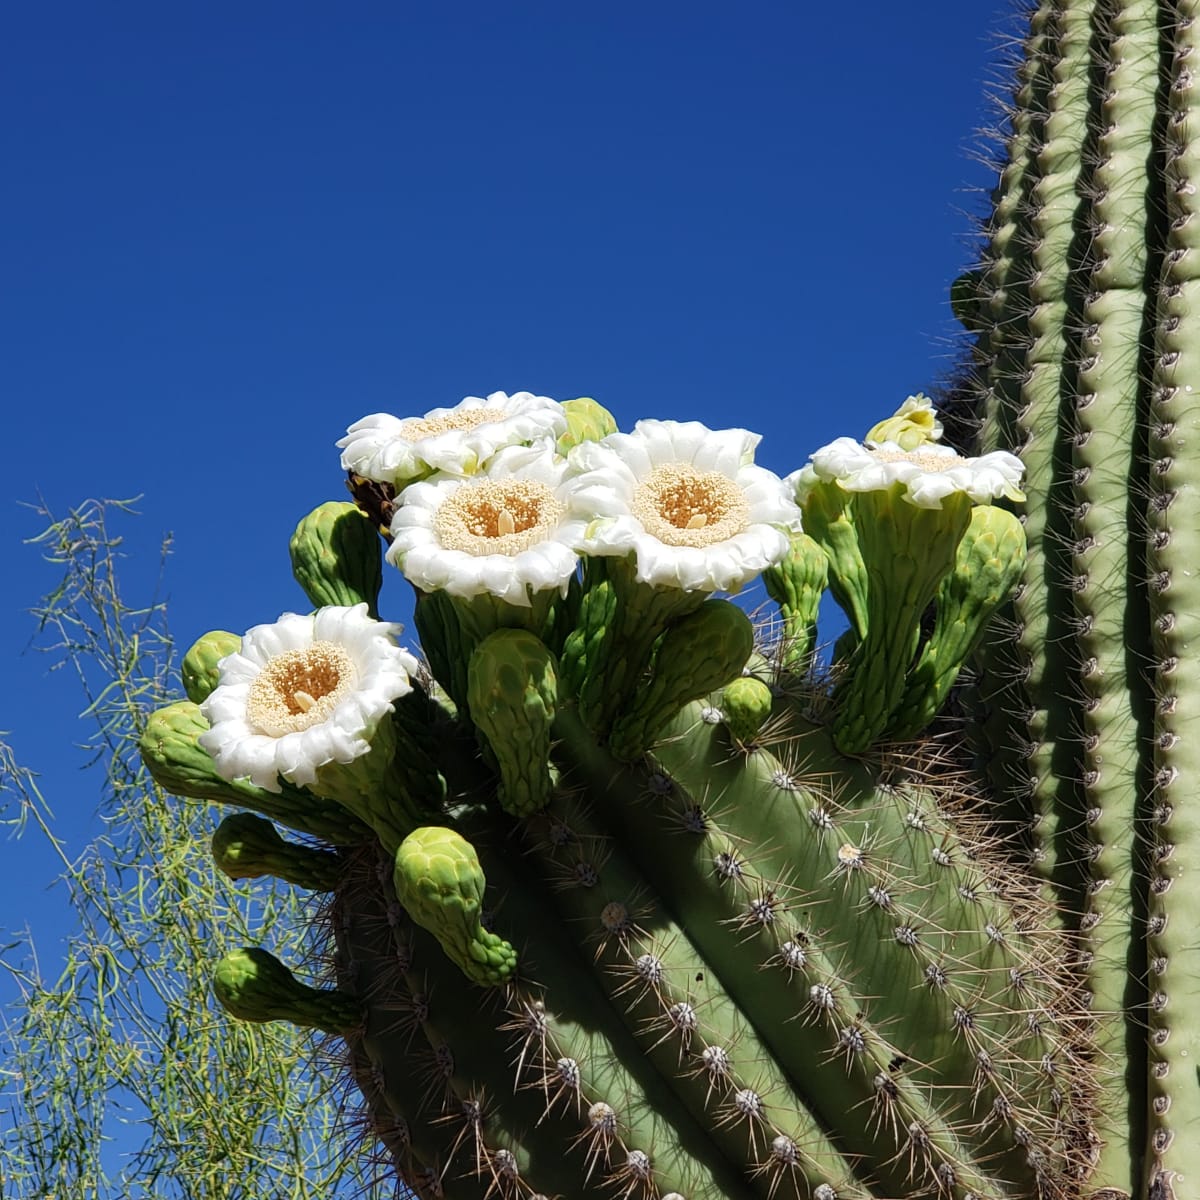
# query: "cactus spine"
x,y
639,909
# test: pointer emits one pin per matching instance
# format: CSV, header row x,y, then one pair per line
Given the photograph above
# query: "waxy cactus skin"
x,y
685,920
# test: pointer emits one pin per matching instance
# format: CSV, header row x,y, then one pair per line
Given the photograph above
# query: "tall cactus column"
x,y
1088,326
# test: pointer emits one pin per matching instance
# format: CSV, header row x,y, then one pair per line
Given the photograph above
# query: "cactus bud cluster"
x,y
658,909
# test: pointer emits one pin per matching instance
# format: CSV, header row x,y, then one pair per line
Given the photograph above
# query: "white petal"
x,y
382,673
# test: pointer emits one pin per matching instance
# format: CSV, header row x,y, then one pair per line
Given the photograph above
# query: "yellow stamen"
x,y
300,688
416,428
682,506
497,516
927,462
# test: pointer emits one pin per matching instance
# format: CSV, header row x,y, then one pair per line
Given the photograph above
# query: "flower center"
x,y
300,688
685,507
416,428
923,458
497,516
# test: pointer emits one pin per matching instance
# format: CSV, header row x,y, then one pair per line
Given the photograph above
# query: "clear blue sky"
x,y
230,230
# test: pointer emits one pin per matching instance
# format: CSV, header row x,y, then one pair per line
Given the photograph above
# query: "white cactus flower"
x,y
457,441
688,501
928,474
505,531
304,692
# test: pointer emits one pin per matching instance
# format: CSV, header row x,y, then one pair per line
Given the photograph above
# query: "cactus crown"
x,y
750,945
629,904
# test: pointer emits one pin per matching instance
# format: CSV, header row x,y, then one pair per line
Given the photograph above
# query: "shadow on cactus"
x,y
626,900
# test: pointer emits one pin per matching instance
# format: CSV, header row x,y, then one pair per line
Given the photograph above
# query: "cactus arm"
x,y
674,1005
1005,306
417,1157
614,1067
1173,1108
801,1003
519,1036
453,1140
928,886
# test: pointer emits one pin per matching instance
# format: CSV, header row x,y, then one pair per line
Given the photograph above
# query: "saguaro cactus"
x,y
628,904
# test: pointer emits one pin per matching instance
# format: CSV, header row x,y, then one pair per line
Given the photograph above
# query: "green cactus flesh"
x,y
625,907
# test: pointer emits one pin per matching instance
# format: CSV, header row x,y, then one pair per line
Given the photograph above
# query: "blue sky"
x,y
229,231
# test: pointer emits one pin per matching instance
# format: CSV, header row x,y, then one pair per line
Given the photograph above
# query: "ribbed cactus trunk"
x,y
628,902
1087,362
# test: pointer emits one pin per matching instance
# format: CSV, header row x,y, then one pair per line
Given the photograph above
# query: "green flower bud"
x,y
179,765
587,421
987,565
698,654
797,584
511,693
440,883
245,846
909,551
253,985
199,669
337,557
746,703
912,425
